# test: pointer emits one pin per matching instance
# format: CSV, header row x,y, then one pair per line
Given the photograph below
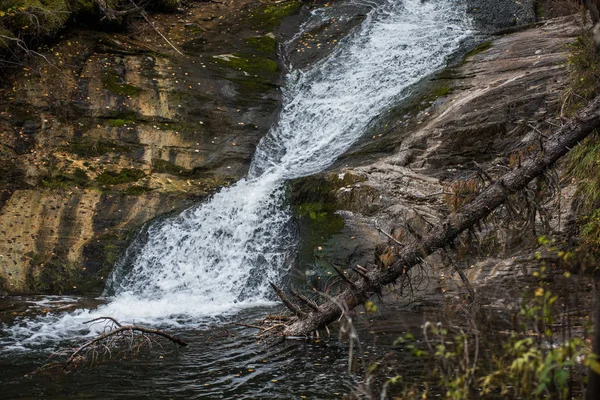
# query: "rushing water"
x,y
218,257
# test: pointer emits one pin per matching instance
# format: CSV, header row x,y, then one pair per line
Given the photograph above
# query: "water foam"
x,y
219,256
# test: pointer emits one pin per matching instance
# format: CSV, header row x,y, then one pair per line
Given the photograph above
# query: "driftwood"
x,y
118,331
373,280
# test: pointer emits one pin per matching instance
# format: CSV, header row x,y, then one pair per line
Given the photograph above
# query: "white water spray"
x,y
219,256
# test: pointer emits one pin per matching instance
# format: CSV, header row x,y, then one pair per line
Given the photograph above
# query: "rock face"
x,y
501,14
495,103
112,130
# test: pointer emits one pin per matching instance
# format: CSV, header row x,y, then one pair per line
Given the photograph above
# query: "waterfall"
x,y
219,256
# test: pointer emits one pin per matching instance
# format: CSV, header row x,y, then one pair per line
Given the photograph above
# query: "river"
x,y
212,263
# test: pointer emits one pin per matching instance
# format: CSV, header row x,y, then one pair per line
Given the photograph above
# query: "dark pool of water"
x,y
221,362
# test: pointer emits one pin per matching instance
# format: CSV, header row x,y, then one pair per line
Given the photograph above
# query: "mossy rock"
x,y
265,44
137,190
126,175
167,167
249,63
93,147
118,122
59,180
480,48
314,207
267,17
51,275
114,84
252,88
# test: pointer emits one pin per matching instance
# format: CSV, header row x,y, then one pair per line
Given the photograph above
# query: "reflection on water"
x,y
224,362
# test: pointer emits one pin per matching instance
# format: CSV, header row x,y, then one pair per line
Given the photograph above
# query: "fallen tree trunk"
x,y
374,280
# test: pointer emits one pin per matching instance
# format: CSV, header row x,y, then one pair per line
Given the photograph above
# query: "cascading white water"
x,y
220,255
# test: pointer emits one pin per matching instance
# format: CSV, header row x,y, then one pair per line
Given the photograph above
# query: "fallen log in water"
x,y
373,280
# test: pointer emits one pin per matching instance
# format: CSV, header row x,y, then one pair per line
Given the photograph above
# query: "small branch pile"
x,y
122,339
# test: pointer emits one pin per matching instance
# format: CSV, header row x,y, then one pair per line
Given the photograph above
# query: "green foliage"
x,y
126,175
590,232
583,162
534,361
34,17
583,165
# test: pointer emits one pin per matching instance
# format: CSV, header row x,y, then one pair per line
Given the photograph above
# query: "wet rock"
x,y
501,14
494,104
117,129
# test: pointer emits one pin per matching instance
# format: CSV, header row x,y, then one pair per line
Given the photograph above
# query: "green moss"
x,y
135,190
193,30
52,275
264,44
249,63
584,69
59,180
590,231
126,175
112,253
478,49
167,167
540,11
87,6
112,83
92,147
314,207
439,91
252,88
268,16
120,122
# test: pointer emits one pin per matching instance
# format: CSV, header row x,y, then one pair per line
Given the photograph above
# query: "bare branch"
x,y
291,306
496,194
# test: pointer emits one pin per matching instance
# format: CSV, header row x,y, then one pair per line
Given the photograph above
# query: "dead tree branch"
x,y
556,146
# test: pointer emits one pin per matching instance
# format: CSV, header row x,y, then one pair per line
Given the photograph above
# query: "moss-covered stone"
x,y
267,17
478,49
136,190
113,83
249,63
118,122
265,44
59,180
167,167
252,88
92,147
49,274
126,175
314,205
